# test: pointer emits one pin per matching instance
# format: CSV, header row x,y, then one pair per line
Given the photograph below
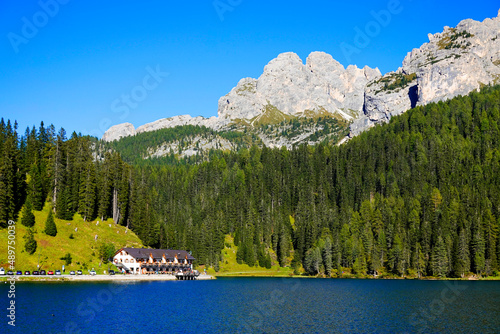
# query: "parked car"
x,y
111,272
92,272
42,272
78,272
50,272
10,272
35,273
27,272
58,272
19,272
71,272
2,271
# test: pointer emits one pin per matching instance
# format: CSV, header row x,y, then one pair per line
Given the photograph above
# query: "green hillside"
x,y
83,248
229,266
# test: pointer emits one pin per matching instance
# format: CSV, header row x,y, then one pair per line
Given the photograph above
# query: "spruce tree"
x,y
36,187
249,253
30,242
240,253
478,247
396,256
420,261
327,256
261,256
88,192
439,258
28,218
9,188
461,255
268,261
50,225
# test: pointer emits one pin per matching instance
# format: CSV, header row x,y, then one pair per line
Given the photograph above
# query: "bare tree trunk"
x,y
54,196
116,210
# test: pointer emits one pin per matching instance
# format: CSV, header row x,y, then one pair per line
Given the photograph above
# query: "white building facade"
x,y
153,261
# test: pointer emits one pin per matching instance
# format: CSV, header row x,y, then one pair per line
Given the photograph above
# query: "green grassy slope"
x,y
83,248
229,266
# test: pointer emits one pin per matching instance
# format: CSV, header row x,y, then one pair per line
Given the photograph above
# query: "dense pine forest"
x,y
419,196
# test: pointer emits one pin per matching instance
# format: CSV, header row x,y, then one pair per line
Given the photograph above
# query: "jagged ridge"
x,y
454,62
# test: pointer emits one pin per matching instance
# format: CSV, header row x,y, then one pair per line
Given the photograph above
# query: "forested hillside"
x,y
420,196
417,196
190,144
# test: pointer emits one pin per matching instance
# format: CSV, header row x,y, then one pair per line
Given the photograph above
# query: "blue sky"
x,y
87,65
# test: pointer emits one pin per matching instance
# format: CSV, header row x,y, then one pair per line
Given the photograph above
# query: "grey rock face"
x,y
164,123
294,88
322,85
119,131
453,62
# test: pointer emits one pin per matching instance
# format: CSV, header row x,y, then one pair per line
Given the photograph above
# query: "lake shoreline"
x,y
98,278
156,278
367,278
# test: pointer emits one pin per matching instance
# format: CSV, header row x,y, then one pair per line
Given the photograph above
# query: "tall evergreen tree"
x,y
439,258
36,187
50,225
28,218
327,256
88,193
462,256
30,243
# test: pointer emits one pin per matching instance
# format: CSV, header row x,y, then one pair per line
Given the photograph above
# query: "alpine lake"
x,y
256,305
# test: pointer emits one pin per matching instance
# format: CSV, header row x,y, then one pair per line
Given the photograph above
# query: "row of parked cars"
x,y
42,272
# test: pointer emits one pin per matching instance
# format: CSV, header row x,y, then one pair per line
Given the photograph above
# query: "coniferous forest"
x,y
419,196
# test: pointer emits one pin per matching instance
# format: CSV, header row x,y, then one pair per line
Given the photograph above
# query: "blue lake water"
x,y
260,305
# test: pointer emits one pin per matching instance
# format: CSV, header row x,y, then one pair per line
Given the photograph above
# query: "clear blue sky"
x,y
82,58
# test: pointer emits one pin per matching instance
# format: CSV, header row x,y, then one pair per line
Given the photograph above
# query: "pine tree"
x,y
10,194
58,168
336,256
359,265
396,256
63,210
462,256
283,250
240,253
249,253
88,193
268,263
50,225
261,256
30,242
327,256
312,261
420,261
28,218
478,247
36,187
439,258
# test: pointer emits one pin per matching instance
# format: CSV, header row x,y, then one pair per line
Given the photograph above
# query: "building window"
x,y
132,261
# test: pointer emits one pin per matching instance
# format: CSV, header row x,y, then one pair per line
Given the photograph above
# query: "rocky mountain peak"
x,y
119,131
454,62
294,88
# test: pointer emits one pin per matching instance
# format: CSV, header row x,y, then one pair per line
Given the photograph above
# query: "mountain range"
x,y
321,101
